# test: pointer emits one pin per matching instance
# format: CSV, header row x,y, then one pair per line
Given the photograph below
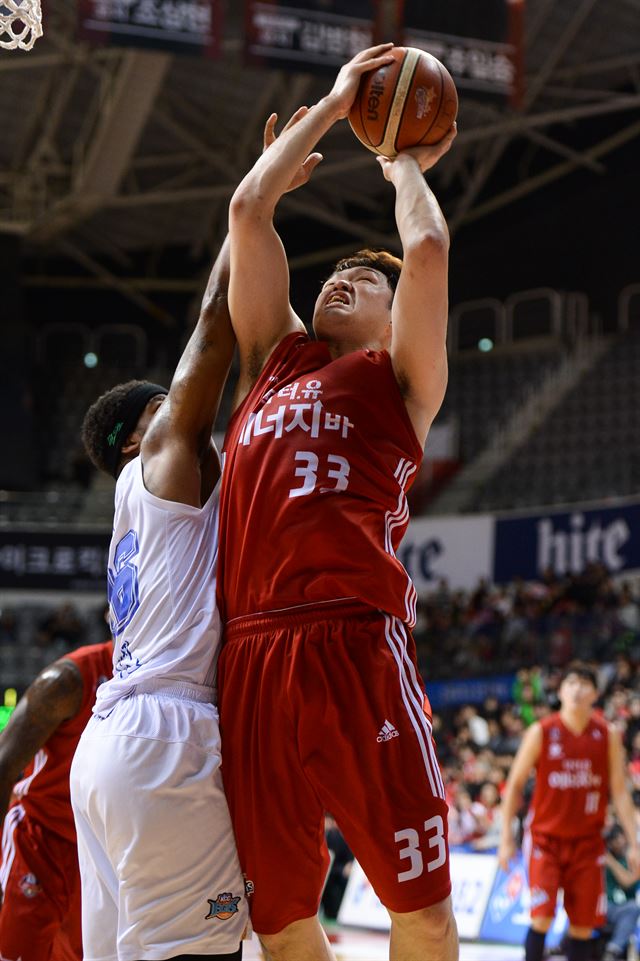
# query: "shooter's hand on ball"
x,y
427,156
347,82
306,169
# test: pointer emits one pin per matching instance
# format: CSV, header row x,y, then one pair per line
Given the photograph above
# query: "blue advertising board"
x,y
566,542
507,917
474,691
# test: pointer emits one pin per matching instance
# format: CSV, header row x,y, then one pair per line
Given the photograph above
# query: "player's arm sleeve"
x,y
54,697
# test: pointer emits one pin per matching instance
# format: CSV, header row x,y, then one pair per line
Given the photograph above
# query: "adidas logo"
x,y
387,731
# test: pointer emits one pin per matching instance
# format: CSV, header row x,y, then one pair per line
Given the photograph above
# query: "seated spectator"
x,y
463,826
475,724
628,610
486,810
622,884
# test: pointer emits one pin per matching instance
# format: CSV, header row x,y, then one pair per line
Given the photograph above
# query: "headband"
x,y
125,419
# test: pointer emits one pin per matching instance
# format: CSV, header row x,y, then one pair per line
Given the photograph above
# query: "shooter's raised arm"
x,y
259,285
420,307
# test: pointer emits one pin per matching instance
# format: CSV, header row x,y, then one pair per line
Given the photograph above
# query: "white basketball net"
x,y
20,23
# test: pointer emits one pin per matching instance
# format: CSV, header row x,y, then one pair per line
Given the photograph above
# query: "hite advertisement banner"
x,y
566,542
177,26
308,35
456,549
54,560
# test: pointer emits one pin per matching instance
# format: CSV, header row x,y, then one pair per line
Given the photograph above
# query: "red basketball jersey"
x,y
313,504
572,779
44,790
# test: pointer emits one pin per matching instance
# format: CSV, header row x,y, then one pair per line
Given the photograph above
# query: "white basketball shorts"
x,y
158,863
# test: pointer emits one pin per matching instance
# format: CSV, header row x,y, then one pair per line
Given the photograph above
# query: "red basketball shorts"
x,y
576,866
330,715
40,918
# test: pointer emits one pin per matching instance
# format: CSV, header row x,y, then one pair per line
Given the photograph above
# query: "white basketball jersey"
x,y
162,590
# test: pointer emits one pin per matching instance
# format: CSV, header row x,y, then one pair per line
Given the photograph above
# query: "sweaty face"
x,y
354,309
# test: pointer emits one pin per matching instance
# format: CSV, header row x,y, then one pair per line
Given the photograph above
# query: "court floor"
x,y
353,945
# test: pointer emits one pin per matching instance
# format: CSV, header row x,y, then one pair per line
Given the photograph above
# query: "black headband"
x,y
124,421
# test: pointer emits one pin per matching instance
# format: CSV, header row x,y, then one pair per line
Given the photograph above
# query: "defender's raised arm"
x,y
180,461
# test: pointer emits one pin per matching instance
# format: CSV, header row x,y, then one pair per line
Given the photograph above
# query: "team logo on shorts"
x,y
30,886
224,907
387,732
249,886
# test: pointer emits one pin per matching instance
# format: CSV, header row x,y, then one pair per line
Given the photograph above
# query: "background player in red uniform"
x,y
321,702
40,915
579,763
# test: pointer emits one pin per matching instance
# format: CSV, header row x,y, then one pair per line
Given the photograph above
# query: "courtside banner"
x,y
471,880
443,694
360,906
308,35
187,26
507,917
54,560
456,549
566,542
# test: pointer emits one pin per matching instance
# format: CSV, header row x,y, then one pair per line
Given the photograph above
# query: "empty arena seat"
x,y
587,448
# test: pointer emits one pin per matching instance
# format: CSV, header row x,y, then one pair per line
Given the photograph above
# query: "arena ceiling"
x,y
109,158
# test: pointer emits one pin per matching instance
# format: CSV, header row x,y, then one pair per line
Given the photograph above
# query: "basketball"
x,y
408,102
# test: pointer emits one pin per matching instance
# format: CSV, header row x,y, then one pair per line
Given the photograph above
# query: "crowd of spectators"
x,y
532,631
548,621
529,630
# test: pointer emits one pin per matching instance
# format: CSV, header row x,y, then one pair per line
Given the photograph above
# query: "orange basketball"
x,y
408,102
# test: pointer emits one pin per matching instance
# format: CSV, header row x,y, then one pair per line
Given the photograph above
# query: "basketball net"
x,y
20,24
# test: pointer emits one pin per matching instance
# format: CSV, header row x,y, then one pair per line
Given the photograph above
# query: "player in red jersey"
x,y
39,875
321,702
579,764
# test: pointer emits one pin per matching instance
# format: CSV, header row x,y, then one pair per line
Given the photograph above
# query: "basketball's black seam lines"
x,y
362,123
391,102
437,112
406,101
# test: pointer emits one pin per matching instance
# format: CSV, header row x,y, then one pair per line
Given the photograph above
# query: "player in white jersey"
x,y
159,868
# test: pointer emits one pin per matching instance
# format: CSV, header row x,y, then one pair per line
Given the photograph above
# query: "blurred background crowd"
x,y
526,632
